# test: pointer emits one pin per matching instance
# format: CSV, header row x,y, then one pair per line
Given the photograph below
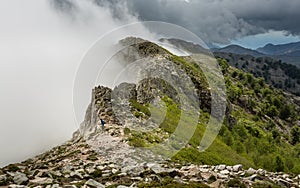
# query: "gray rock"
x,y
285,176
284,183
261,172
94,183
224,172
206,175
20,178
2,177
90,170
222,176
237,168
55,186
41,181
157,169
76,175
17,186
56,173
101,167
220,167
114,171
122,174
204,170
254,177
133,170
230,168
70,186
67,169
251,171
137,178
123,186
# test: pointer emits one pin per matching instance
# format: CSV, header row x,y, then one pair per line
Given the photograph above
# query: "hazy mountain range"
x,y
289,53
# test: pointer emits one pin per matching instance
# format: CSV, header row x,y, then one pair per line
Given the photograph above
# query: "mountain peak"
x,y
236,49
289,49
269,45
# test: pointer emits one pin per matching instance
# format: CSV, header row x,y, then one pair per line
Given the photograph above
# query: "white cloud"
x,y
40,51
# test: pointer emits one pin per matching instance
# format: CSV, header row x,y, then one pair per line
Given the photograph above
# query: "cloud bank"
x,y
42,43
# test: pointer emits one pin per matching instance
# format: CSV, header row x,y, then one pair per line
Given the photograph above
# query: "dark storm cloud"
x,y
269,14
223,20
218,21
208,19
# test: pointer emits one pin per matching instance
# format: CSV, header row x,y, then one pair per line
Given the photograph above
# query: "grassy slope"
x,y
260,136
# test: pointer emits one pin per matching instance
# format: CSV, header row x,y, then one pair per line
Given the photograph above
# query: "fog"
x,y
41,48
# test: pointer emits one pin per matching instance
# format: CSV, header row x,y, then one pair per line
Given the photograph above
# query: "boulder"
x,y
94,183
220,167
254,177
114,171
206,175
230,168
17,186
55,186
224,172
261,172
237,168
41,181
2,177
20,178
251,171
284,183
76,175
222,176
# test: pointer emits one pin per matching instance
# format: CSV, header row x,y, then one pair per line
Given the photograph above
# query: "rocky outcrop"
x,y
100,107
105,162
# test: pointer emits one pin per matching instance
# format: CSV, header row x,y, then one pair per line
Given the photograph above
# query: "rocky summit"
x,y
258,145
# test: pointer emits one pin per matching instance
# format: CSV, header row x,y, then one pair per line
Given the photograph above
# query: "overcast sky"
x,y
43,41
224,21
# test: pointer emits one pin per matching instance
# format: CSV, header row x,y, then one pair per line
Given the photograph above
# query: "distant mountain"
x,y
290,49
289,53
236,49
272,68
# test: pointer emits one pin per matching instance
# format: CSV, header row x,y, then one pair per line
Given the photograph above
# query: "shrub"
x,y
295,135
279,165
286,112
126,130
271,111
236,183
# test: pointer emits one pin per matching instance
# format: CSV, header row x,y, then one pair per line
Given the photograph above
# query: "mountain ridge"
x,y
259,131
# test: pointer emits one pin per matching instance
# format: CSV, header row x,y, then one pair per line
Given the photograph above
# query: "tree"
x,y
227,138
239,147
279,165
286,112
295,135
271,111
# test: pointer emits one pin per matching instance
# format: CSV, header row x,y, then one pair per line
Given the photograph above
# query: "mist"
x,y
42,43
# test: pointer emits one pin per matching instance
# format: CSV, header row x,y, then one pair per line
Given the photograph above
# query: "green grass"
x,y
140,110
254,140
